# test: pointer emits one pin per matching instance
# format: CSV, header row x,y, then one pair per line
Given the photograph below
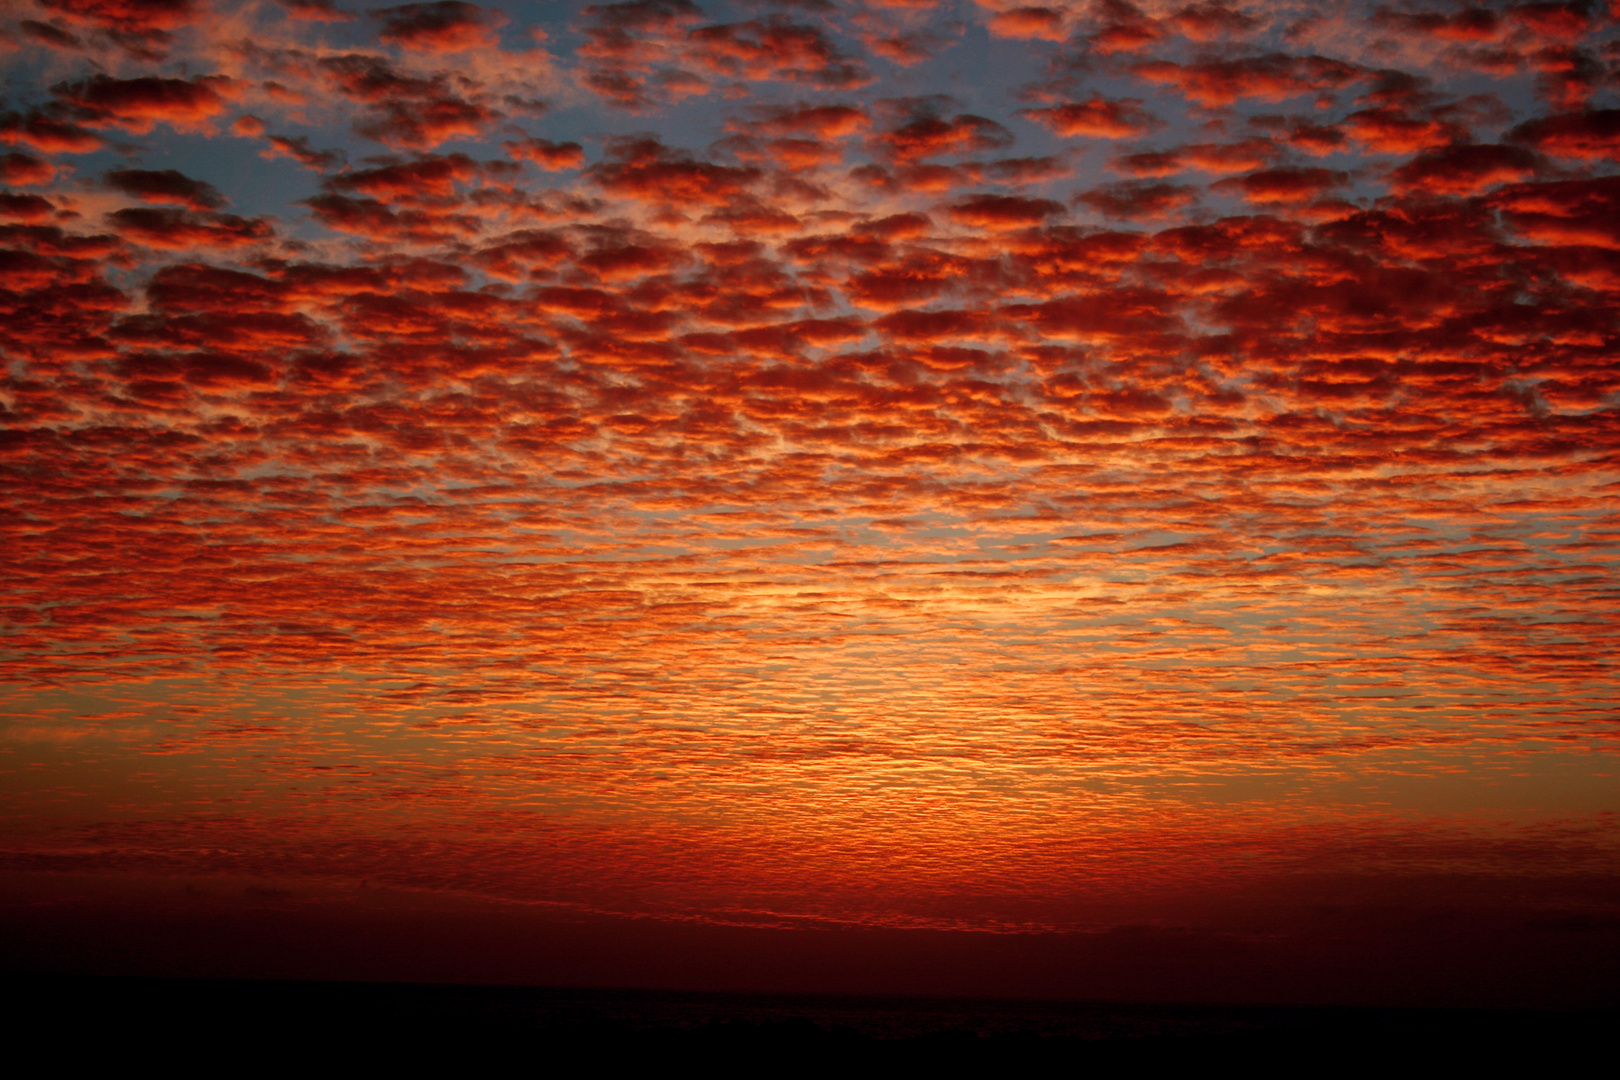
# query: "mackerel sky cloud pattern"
x,y
949,465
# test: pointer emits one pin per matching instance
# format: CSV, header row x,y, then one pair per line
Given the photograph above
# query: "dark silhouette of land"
x,y
243,1022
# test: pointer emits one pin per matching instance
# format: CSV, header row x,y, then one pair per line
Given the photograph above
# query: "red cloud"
x,y
1210,157
1565,212
772,48
897,226
1463,170
615,258
44,133
409,181
1099,118
794,154
1316,139
1211,20
1002,211
647,170
1269,186
632,51
25,169
128,16
916,279
1030,22
1123,28
139,104
1565,21
424,124
300,151
1120,315
517,256
822,121
180,230
1272,77
315,10
547,154
929,136
380,221
444,26
1389,130
934,325
1592,134
25,207
140,27
405,111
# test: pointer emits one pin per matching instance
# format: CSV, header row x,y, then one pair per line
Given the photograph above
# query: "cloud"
x,y
821,121
1123,27
46,134
1136,200
423,179
1212,20
165,186
1098,118
1392,130
141,28
25,169
1002,211
182,230
1468,24
25,207
444,26
405,111
1592,134
1284,185
1029,22
647,170
1217,158
1269,77
300,151
547,154
928,135
315,10
54,36
1463,170
772,48
138,104
128,16
1565,211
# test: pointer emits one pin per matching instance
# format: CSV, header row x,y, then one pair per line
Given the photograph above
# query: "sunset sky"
x,y
949,472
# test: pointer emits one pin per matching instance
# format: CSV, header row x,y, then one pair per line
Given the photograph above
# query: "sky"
x,y
815,494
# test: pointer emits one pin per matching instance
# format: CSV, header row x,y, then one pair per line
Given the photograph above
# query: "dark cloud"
x,y
182,230
165,186
1589,134
442,26
1002,211
138,104
1133,199
26,169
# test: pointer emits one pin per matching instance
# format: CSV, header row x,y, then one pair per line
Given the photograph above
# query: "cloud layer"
x,y
767,462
